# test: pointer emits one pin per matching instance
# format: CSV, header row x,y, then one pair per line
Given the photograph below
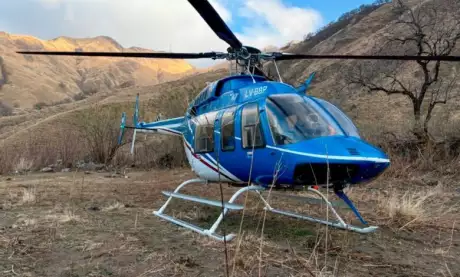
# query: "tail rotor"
x,y
135,123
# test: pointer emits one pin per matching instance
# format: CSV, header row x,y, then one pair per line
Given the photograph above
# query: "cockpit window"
x,y
293,118
344,121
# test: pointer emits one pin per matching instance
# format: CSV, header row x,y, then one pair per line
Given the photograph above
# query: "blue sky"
x,y
172,24
329,9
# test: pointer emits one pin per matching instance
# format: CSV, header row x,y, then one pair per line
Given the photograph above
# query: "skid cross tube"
x,y
211,232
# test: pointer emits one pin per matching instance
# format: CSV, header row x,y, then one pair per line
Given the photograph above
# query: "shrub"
x,y
40,105
100,127
5,109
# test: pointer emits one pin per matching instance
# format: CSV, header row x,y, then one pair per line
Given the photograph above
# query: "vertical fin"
x,y
122,128
308,81
304,86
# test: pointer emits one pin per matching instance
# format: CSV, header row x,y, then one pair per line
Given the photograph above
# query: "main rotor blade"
x,y
210,15
125,54
287,56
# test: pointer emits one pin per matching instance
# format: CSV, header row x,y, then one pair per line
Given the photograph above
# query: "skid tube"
x,y
211,232
339,223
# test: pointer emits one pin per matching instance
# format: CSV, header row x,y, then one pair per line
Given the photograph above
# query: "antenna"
x,y
249,71
277,71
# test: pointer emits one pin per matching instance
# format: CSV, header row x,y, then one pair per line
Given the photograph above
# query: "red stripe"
x,y
206,163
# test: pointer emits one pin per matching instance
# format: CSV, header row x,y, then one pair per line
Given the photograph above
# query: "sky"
x,y
172,25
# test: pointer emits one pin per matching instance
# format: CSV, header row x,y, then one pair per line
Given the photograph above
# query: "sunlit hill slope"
x,y
28,80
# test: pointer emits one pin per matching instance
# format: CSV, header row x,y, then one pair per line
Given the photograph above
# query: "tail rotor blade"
x,y
135,122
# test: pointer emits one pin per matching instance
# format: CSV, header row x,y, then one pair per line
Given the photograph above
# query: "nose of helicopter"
x,y
344,159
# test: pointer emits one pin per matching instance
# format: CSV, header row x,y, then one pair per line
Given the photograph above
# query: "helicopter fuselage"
x,y
244,127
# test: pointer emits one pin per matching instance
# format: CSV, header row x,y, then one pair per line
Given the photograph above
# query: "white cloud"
x,y
275,23
162,24
51,4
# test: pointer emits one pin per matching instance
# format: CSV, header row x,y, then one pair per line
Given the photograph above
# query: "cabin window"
x,y
204,133
251,127
227,131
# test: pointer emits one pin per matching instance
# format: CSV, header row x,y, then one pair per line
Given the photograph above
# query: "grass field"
x,y
77,224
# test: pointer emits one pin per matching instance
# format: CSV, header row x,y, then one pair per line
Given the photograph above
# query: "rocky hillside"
x,y
28,81
365,31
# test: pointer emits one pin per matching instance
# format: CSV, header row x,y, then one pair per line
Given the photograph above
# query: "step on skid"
x,y
211,232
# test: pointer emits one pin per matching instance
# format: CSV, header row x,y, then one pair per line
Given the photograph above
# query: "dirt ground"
x,y
77,224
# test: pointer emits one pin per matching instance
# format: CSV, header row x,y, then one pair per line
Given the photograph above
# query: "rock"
x,y
99,166
47,169
90,166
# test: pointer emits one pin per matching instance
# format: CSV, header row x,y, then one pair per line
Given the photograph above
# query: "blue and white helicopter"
x,y
259,134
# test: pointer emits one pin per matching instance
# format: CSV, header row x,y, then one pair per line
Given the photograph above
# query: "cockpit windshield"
x,y
293,118
344,121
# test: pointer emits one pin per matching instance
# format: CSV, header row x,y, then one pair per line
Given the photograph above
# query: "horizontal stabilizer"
x,y
201,200
172,126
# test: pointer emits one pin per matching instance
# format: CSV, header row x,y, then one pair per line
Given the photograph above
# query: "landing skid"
x,y
339,223
211,232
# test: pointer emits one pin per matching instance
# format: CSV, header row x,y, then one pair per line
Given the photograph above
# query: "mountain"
x,y
27,81
362,32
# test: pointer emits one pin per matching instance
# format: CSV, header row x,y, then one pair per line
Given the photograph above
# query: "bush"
x,y
100,127
40,105
79,96
3,73
5,109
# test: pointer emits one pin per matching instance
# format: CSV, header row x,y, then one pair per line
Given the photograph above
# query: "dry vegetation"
x,y
76,224
73,134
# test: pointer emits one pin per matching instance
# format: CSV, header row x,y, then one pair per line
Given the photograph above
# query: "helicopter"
x,y
259,134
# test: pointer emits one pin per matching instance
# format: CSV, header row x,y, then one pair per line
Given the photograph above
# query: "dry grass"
x,y
407,208
85,216
416,207
29,195
114,206
24,165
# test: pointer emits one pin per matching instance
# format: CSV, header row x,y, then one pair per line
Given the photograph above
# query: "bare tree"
x,y
428,29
